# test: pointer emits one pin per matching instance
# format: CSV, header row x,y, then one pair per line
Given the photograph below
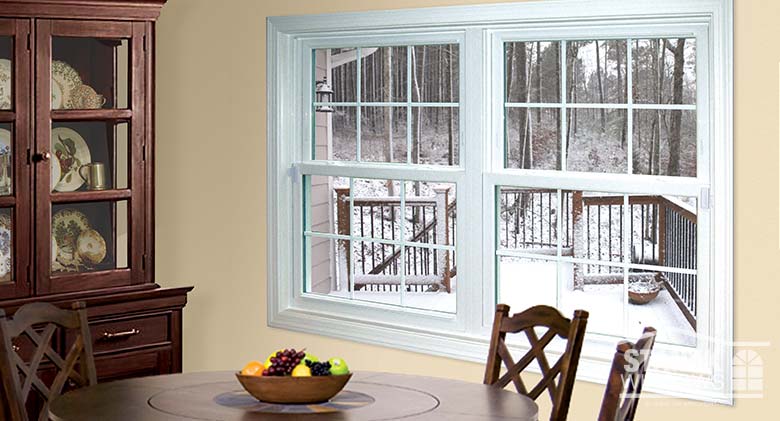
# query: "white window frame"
x,y
702,373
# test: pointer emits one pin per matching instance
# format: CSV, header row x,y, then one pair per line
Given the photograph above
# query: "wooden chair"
x,y
46,318
573,331
624,386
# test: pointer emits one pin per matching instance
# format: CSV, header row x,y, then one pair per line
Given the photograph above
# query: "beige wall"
x,y
211,191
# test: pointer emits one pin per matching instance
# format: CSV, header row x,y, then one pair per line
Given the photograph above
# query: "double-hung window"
x,y
425,165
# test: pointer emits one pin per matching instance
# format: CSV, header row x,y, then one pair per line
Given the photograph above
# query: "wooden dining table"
x,y
218,396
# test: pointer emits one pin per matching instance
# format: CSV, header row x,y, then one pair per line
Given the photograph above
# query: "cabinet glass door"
x,y
14,171
90,143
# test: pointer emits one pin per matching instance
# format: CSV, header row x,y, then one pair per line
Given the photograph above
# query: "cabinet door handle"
x,y
42,157
112,336
15,348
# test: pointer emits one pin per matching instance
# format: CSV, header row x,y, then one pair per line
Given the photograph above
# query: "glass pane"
x,y
383,74
326,199
339,66
89,156
524,283
6,159
664,71
335,135
6,73
602,297
435,73
538,61
435,135
652,302
6,246
90,73
377,209
325,274
528,220
376,280
664,142
533,138
378,143
597,224
89,236
425,202
430,279
597,140
664,231
596,71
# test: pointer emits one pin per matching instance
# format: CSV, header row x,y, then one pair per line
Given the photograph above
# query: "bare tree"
x,y
601,87
675,132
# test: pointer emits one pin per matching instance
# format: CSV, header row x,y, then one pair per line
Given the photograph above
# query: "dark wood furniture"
x,y
218,396
38,322
109,46
626,377
565,368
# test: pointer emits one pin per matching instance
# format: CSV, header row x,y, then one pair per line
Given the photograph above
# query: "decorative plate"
x,y
68,79
66,227
56,95
91,247
85,98
72,151
54,250
55,171
6,163
5,246
6,73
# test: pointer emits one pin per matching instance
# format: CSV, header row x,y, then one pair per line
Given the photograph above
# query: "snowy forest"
x,y
596,139
663,73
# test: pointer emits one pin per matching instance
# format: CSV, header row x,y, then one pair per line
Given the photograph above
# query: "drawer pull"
x,y
111,336
15,348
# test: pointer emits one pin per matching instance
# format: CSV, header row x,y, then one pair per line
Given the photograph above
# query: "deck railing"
x,y
660,232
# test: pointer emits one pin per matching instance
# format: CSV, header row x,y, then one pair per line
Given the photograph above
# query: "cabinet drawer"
x,y
128,333
151,362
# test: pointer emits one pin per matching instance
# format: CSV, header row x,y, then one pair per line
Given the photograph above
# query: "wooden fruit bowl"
x,y
290,389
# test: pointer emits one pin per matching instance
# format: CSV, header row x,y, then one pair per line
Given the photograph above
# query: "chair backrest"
x,y
564,369
39,322
626,377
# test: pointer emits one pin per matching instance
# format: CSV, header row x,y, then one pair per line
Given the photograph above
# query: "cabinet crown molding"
x,y
147,10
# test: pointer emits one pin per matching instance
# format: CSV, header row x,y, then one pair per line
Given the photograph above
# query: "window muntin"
x,y
624,106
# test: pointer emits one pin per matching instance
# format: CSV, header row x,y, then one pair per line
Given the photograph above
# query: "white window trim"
x,y
476,28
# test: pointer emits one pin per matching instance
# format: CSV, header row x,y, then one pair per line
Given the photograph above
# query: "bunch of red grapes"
x,y
283,363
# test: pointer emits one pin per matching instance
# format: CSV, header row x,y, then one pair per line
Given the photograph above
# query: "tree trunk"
x,y
601,88
675,132
624,87
388,91
559,135
522,121
451,122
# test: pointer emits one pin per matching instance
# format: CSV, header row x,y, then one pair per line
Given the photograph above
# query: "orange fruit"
x,y
254,368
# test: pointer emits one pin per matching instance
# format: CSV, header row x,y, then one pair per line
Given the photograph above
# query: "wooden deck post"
x,y
342,222
443,235
578,242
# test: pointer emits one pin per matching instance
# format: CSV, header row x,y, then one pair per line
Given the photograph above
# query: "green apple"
x,y
309,357
338,367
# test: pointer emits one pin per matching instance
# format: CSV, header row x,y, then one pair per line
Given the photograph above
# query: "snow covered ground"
x,y
526,283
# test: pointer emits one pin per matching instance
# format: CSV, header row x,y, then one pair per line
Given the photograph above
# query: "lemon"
x,y
301,370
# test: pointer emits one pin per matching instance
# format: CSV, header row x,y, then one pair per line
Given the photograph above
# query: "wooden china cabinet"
x,y
77,176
